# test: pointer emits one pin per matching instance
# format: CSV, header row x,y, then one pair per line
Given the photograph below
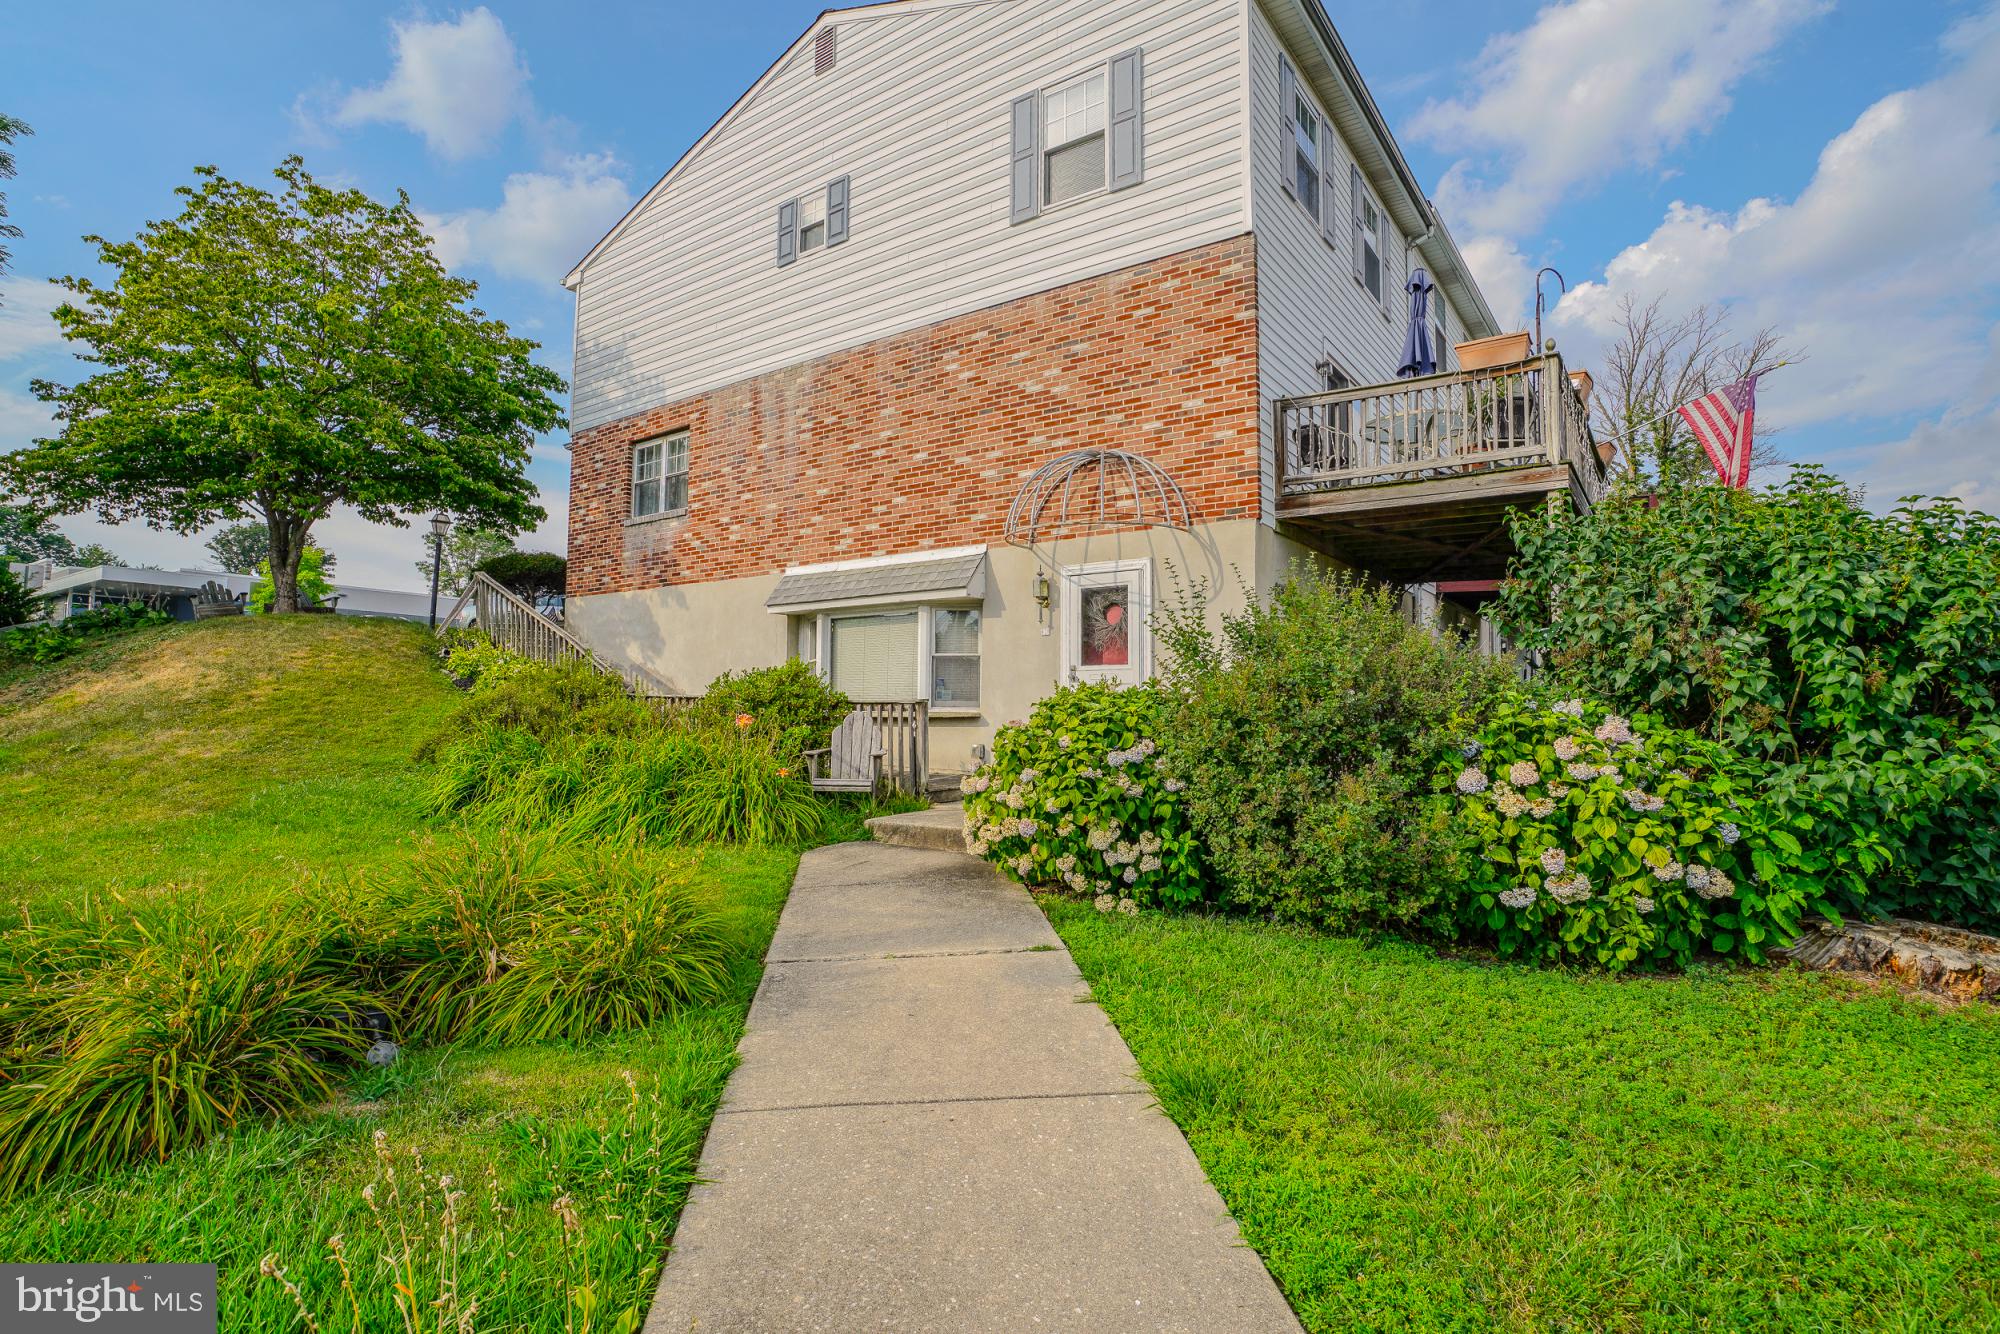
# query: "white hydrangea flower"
x,y
1106,902
1668,872
1471,782
1728,833
1128,907
1566,748
1543,808
1524,773
1131,875
1063,742
1150,863
1176,785
1555,861
1570,707
1613,729
1696,876
1642,903
1581,771
1026,828
1509,802
1518,897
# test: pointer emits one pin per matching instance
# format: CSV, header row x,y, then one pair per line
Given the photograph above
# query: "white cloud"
x,y
1886,268
1590,88
22,418
544,223
25,325
1504,276
459,83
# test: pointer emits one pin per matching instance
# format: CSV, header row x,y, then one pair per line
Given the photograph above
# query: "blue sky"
x,y
1827,168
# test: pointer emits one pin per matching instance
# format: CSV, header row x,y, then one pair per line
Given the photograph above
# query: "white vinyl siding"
x,y
1310,310
873,657
686,296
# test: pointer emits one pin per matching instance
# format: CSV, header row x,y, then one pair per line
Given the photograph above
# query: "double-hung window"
x,y
1306,131
660,475
814,219
955,658
896,653
1080,138
1371,240
1073,139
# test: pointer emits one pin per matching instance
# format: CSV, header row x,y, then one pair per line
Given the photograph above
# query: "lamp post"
x,y
439,527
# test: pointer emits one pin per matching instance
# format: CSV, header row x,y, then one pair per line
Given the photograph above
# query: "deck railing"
x,y
905,726
1435,426
513,624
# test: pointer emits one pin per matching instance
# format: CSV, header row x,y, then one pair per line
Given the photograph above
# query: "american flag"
x,y
1722,422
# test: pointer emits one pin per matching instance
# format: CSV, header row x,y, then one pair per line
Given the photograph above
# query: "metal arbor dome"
x,y
1088,490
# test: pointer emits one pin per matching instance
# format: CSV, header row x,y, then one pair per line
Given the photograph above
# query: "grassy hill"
x,y
230,759
221,756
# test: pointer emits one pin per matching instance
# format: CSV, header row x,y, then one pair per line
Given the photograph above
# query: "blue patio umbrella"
x,y
1419,357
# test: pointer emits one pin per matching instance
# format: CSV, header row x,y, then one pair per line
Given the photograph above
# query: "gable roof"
x,y
1363,125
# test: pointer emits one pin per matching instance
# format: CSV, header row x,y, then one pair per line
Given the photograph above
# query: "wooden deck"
x,y
1416,480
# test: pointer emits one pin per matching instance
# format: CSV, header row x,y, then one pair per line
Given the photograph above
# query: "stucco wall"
x,y
687,634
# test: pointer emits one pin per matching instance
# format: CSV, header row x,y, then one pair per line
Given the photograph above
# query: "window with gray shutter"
x,y
1288,99
1128,137
1026,161
788,231
836,210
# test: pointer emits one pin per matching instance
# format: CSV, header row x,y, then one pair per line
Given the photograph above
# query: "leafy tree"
x,y
312,581
11,128
281,354
241,547
1656,363
535,575
465,547
25,536
17,604
1853,658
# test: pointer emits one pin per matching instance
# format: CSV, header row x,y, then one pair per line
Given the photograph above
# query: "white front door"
x,y
1105,613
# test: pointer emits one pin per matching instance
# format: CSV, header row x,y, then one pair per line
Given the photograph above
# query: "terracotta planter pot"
x,y
1581,379
1499,350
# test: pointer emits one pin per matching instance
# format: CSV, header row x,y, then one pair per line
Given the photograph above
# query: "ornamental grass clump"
x,y
509,937
746,789
1614,842
1080,797
199,1025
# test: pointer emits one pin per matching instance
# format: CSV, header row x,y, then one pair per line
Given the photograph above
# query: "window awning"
x,y
957,577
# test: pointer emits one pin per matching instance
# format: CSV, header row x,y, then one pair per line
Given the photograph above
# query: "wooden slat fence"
x,y
516,626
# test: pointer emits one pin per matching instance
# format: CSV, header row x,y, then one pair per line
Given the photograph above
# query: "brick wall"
x,y
920,440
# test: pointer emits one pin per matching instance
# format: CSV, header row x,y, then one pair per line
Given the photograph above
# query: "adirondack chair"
x,y
212,599
853,761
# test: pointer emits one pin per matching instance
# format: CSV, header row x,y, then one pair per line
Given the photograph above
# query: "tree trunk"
x,y
288,544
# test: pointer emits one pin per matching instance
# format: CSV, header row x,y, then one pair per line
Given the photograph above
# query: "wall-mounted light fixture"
x,y
1043,591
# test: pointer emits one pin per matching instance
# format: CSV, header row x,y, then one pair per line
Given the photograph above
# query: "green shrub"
x,y
473,660
199,1026
545,702
1080,796
791,702
511,937
1613,841
49,641
1851,659
1308,729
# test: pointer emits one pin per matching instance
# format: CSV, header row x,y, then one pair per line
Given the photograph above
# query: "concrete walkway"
x,y
933,1129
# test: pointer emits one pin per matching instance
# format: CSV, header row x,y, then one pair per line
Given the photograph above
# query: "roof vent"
x,y
823,50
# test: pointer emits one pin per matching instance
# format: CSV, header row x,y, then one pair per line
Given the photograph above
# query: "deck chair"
x,y
853,761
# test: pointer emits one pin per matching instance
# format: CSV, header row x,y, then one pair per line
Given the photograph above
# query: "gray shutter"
x,y
1329,158
1288,98
1128,132
1026,160
1382,245
1354,202
788,232
836,210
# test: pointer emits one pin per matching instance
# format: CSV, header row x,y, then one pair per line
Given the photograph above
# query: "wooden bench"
x,y
852,761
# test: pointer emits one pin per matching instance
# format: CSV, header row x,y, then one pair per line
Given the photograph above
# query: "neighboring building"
x,y
940,246
67,590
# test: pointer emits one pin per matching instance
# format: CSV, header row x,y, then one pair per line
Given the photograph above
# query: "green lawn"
x,y
229,758
1416,1143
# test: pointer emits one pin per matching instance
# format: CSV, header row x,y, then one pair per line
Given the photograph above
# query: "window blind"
x,y
874,657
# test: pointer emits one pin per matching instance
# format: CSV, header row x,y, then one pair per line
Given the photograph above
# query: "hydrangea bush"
x,y
1613,841
1078,796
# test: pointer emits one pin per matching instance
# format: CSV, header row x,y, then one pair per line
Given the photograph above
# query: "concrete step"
x,y
941,828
